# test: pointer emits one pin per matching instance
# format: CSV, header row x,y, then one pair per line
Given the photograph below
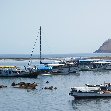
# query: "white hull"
x,y
15,72
91,91
65,70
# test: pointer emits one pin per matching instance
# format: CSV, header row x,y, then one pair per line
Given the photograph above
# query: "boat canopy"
x,y
7,66
102,62
86,89
88,60
56,65
44,67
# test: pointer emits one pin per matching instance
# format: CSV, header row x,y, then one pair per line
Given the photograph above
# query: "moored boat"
x,y
91,91
13,71
63,68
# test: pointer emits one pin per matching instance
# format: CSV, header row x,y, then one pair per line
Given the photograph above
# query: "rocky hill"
x,y
105,48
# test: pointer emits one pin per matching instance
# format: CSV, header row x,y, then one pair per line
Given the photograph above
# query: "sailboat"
x,y
56,68
43,68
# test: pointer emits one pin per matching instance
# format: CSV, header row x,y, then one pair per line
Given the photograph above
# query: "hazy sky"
x,y
68,26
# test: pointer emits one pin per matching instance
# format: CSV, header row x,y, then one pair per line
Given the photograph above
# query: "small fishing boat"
x,y
13,71
64,67
91,91
94,65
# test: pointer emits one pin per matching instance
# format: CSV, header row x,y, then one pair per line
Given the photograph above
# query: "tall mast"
x,y
40,45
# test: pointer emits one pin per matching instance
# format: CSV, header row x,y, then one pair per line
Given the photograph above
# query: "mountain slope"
x,y
105,48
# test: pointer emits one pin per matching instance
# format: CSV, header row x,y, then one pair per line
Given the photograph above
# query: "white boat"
x,y
86,64
13,71
91,91
94,65
63,68
101,65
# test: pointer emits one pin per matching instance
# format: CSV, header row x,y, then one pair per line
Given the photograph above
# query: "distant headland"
x,y
105,48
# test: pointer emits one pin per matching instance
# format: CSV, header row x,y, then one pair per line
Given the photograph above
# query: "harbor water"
x,y
40,99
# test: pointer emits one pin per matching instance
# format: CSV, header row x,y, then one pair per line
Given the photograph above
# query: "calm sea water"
x,y
13,99
54,55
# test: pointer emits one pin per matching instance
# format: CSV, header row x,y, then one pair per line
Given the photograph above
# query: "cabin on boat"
x,y
102,65
86,64
44,68
94,64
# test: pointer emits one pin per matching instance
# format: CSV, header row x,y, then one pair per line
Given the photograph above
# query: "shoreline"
x,y
23,58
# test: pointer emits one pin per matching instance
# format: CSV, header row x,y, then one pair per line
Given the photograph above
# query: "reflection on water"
x,y
91,104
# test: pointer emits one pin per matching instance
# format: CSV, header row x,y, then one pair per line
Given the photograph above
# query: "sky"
x,y
68,26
